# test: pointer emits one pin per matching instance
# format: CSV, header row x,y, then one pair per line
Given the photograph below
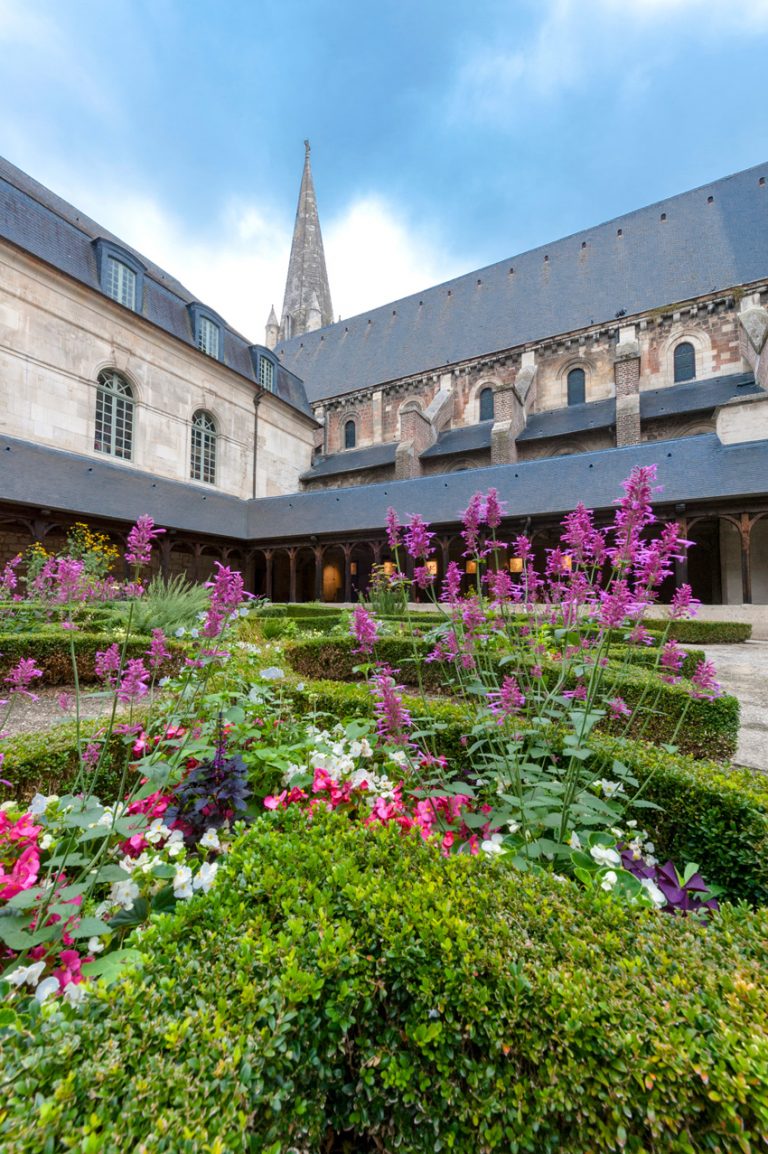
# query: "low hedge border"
x,y
711,814
711,727
51,653
47,762
348,988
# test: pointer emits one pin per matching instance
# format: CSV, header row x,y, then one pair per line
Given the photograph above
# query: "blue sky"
x,y
445,135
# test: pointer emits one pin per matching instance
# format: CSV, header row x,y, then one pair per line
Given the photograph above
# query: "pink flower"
x,y
70,971
494,509
619,708
227,591
418,538
451,583
507,700
472,519
107,662
64,701
392,718
683,603
422,577
158,651
134,681
23,874
140,541
704,685
393,528
364,628
21,675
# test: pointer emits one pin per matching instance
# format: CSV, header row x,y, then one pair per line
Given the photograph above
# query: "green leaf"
x,y
235,715
90,928
25,899
112,873
135,916
111,966
642,803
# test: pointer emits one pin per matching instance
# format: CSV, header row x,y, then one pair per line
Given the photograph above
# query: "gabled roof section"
x,y
570,419
352,461
466,439
711,239
38,221
696,396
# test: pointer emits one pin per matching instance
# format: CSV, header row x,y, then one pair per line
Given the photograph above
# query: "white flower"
x,y
47,987
180,631
29,974
300,686
609,880
399,757
75,993
194,633
610,788
95,945
124,893
493,844
157,831
206,876
182,882
40,803
513,826
655,894
574,841
605,856
46,841
271,673
210,839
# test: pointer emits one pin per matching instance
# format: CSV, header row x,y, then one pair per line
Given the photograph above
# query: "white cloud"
x,y
574,40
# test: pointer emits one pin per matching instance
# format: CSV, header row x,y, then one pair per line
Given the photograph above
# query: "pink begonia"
x,y
365,630
158,652
23,874
140,541
69,971
22,675
134,681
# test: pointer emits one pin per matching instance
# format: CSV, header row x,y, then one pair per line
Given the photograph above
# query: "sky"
x,y
446,134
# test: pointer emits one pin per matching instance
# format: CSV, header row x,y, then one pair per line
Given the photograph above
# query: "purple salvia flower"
x,y
507,700
69,580
8,578
418,537
107,662
683,603
472,519
581,538
134,681
501,587
451,583
633,514
22,675
703,683
392,719
158,652
64,701
90,754
140,541
618,708
616,604
393,528
671,661
494,509
365,630
422,577
227,591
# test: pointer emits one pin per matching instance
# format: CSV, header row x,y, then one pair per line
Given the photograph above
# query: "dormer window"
x,y
266,374
121,275
207,330
208,337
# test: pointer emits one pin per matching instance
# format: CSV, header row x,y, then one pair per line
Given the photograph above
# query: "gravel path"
x,y
743,671
29,716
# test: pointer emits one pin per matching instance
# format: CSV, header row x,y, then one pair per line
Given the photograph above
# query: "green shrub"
x,y
710,813
48,762
697,632
347,984
50,650
711,727
171,604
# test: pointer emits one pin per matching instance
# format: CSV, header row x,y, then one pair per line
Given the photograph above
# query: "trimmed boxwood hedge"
x,y
48,762
345,988
50,650
711,813
711,727
697,632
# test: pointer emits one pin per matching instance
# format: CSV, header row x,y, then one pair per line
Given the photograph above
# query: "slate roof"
x,y
40,222
712,239
467,439
570,419
696,468
696,396
352,461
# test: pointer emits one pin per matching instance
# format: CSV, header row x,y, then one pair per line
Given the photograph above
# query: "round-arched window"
x,y
486,404
577,387
350,435
685,362
202,457
114,416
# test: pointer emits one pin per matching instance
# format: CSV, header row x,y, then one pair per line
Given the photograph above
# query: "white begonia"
x,y
610,788
75,993
124,893
609,880
399,757
40,803
205,876
26,975
574,841
158,831
47,987
605,856
513,826
182,882
655,894
493,844
6,805
46,841
210,839
95,945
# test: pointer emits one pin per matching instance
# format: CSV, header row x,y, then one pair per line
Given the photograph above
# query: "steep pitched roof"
x,y
306,286
37,220
713,238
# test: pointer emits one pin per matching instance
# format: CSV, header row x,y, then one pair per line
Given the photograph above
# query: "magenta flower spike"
x,y
140,541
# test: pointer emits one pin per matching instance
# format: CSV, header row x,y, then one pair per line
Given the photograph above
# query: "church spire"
x,y
307,302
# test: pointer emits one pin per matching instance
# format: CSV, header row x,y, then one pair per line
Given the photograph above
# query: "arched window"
x,y
350,435
114,416
685,362
202,462
577,387
486,404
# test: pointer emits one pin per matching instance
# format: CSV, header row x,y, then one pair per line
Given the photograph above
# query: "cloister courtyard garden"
x,y
464,867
